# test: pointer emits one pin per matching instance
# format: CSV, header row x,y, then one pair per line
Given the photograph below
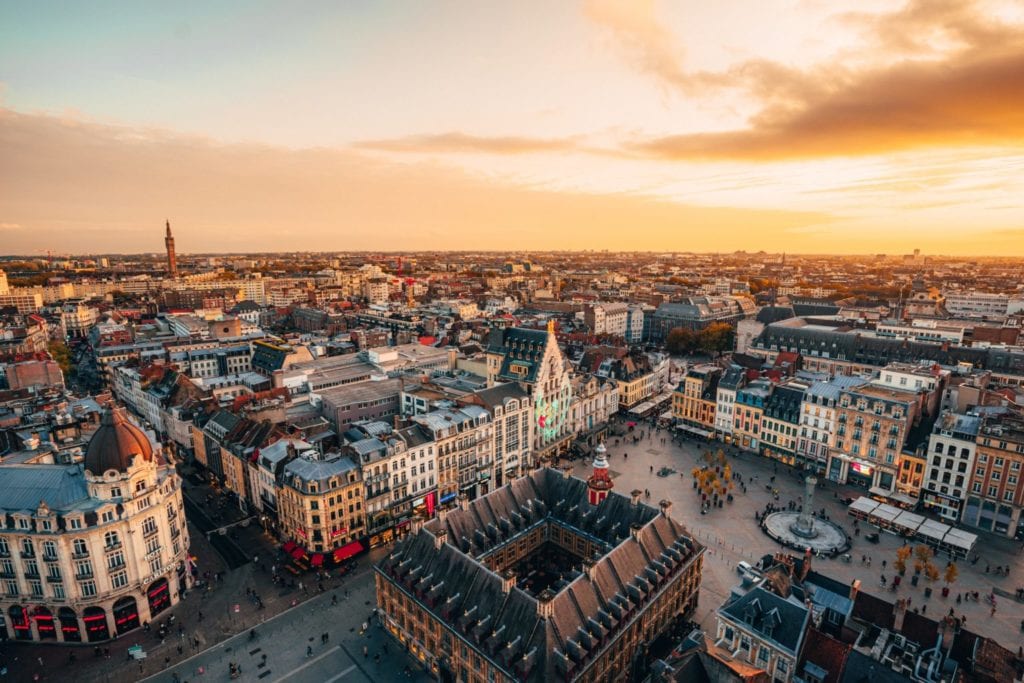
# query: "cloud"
x,y
462,143
645,42
10,226
88,188
962,103
943,74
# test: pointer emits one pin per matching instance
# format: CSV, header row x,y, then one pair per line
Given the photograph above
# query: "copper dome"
x,y
115,443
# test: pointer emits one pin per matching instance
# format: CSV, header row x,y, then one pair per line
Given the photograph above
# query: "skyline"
x,y
794,126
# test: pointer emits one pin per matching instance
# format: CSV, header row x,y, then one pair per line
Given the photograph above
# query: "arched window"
x,y
69,625
81,549
49,550
140,485
111,539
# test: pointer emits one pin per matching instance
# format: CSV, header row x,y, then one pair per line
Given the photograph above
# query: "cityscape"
x,y
369,343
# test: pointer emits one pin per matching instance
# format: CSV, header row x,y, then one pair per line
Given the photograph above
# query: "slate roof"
x,y
61,487
762,611
499,394
784,403
318,470
520,347
506,627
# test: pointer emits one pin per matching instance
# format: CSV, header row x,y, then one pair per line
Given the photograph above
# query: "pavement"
x,y
210,617
732,534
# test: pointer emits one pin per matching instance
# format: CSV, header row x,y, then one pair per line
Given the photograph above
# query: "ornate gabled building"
x,y
90,552
533,583
532,359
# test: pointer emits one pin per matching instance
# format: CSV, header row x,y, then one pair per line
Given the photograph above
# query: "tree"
x,y
716,338
681,341
61,354
951,573
923,554
902,555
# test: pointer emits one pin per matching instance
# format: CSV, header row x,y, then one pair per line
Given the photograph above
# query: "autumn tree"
x,y
951,573
681,341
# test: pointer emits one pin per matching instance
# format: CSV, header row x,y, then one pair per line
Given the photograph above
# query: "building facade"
x,y
92,551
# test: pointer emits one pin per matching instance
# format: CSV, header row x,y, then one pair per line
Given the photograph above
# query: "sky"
x,y
805,126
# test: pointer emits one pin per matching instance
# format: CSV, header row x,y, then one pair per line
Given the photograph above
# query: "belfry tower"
x,y
172,259
600,483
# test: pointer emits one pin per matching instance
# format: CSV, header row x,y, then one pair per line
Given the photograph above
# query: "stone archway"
x,y
159,596
126,615
20,622
44,623
69,628
96,626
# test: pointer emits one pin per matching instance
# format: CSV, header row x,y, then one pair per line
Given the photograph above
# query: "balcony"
x,y
27,554
54,579
82,575
146,533
80,555
50,558
5,574
112,546
31,573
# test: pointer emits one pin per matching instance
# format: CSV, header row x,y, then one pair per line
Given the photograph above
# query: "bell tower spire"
x,y
172,259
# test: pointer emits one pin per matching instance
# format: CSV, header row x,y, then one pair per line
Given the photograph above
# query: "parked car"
x,y
872,538
744,568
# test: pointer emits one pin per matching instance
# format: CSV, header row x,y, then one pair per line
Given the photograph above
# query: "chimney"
x,y
508,581
440,538
452,359
634,531
805,566
854,589
415,525
898,614
545,606
442,514
634,496
948,629
566,473
590,567
666,507
463,501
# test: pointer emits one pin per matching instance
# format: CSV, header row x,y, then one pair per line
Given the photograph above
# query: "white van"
x,y
744,568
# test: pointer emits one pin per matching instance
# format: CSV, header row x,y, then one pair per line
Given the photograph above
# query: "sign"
x,y
861,468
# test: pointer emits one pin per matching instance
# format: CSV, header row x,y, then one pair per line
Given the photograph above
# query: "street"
x,y
284,640
731,534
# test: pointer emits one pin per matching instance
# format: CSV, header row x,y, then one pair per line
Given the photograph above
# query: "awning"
x,y
317,560
297,553
288,547
347,551
695,430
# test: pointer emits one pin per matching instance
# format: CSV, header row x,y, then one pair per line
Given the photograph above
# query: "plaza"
x,y
731,532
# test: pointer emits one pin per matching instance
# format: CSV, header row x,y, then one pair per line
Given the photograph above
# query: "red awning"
x,y
347,551
288,547
297,553
317,560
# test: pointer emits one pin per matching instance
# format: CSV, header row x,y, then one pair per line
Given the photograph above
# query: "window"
x,y
80,548
140,486
107,516
27,550
49,549
119,580
74,523
115,560
87,588
149,526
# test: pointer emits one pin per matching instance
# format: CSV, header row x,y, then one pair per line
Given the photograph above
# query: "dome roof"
x,y
115,443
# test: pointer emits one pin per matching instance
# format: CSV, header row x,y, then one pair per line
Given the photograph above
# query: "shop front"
x,y
425,506
860,474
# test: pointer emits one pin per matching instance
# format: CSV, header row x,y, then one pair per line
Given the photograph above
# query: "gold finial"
x,y
551,326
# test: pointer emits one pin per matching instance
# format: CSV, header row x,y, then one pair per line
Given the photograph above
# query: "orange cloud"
x,y
909,106
89,188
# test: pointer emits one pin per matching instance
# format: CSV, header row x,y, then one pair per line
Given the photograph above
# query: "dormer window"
x,y
23,523
140,486
115,491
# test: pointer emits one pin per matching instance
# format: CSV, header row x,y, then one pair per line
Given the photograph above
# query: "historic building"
x,y
534,583
532,359
995,500
172,257
89,552
695,400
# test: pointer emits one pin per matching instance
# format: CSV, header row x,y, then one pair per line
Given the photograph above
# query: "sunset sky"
x,y
785,125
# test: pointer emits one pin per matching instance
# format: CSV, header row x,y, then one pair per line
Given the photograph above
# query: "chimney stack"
x,y
854,589
634,496
666,507
463,501
898,614
508,581
440,538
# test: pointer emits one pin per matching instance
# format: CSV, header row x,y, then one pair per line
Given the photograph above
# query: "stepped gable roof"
x,y
116,443
643,548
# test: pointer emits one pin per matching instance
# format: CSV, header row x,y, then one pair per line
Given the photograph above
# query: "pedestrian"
x,y
181,650
366,652
40,660
309,650
334,599
652,469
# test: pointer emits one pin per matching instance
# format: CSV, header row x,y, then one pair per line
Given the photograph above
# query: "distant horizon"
x,y
400,252
846,127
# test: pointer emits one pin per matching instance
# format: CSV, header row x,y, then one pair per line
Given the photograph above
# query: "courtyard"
x,y
731,532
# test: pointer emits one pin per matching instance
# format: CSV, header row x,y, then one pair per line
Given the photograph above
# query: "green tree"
x,y
61,354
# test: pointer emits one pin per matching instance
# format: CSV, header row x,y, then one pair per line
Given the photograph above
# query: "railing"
x,y
112,546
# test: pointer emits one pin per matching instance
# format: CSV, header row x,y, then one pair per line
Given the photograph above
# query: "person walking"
x,y
309,650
